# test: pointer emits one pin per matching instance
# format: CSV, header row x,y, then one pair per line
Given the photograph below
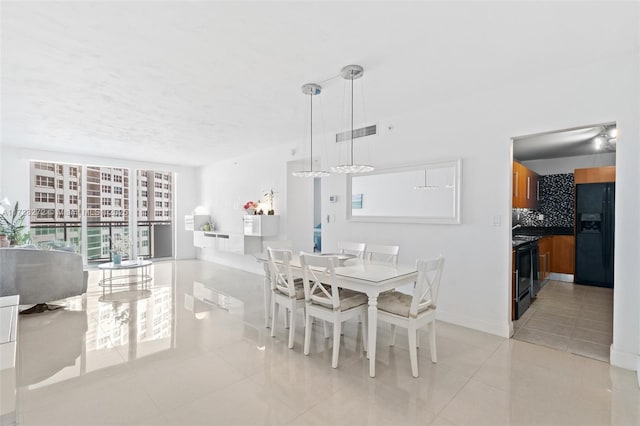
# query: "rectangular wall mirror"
x,y
421,193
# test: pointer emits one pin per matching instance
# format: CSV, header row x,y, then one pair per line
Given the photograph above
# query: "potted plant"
x,y
12,225
119,247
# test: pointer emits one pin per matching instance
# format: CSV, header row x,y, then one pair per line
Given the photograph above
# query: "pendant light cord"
x,y
311,135
352,118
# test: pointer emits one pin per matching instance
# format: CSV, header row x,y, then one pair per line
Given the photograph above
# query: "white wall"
x,y
14,172
227,185
554,166
476,286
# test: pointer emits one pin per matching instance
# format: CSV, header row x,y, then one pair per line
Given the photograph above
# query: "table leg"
x,y
372,318
267,296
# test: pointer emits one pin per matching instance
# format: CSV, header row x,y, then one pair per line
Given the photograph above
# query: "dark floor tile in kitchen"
x,y
589,350
558,319
549,326
592,336
541,338
599,326
570,317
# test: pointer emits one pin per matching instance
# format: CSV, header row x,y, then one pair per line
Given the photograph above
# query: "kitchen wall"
x,y
16,185
475,288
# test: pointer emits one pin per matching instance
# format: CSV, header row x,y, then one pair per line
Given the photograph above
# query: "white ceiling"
x,y
591,140
194,82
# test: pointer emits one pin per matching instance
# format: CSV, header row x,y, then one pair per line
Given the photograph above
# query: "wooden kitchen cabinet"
x,y
526,184
595,175
564,254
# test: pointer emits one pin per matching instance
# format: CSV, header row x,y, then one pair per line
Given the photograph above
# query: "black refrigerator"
x,y
595,220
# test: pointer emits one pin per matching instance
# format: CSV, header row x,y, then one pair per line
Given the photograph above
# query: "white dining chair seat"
x,y
299,287
398,303
348,299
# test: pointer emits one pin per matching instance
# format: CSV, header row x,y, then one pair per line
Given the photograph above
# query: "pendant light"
x,y
426,183
351,72
312,90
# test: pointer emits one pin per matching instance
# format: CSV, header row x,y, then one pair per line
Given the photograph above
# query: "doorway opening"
x,y
563,199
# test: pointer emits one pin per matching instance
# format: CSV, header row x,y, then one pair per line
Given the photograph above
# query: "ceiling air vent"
x,y
357,133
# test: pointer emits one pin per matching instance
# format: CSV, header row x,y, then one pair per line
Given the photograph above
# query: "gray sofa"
x,y
41,276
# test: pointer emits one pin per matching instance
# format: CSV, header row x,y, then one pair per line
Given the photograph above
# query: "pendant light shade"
x,y
352,72
311,90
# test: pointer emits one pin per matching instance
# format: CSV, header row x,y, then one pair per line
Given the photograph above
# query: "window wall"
x,y
56,203
59,217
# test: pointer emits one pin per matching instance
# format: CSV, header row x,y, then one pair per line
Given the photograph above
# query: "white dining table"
x,y
360,275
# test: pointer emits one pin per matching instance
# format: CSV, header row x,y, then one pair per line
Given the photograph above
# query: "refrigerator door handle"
x,y
604,232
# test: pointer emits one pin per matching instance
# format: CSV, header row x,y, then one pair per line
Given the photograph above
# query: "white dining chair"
x,y
416,310
382,254
326,301
287,291
347,247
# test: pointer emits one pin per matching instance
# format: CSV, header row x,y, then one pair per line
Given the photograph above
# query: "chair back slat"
x,y
425,293
357,249
280,271
318,273
382,253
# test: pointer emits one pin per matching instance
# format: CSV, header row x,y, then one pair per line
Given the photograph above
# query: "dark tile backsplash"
x,y
556,203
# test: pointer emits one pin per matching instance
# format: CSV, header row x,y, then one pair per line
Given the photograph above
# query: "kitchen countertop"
x,y
527,234
541,231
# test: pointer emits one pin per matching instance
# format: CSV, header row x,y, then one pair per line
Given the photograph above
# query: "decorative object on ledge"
x,y
312,90
352,72
250,207
268,199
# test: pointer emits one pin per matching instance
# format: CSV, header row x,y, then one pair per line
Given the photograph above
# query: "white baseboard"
x,y
556,276
503,330
626,360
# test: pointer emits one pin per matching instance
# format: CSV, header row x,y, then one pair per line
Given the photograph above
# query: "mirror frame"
x,y
453,220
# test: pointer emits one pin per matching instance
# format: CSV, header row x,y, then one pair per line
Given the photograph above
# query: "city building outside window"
x,y
44,181
73,185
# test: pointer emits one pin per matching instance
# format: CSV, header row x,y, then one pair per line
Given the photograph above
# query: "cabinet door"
x,y
519,186
563,259
534,189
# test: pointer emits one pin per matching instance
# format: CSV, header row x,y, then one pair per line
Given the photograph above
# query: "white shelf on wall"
x,y
260,225
195,222
231,243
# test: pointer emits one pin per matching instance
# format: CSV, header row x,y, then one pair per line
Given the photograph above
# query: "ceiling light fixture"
x,y
352,72
312,90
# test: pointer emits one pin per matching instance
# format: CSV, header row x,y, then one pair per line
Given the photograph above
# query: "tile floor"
x,y
194,351
570,317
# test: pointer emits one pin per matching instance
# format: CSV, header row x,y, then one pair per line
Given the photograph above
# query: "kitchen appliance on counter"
x,y
527,283
595,222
